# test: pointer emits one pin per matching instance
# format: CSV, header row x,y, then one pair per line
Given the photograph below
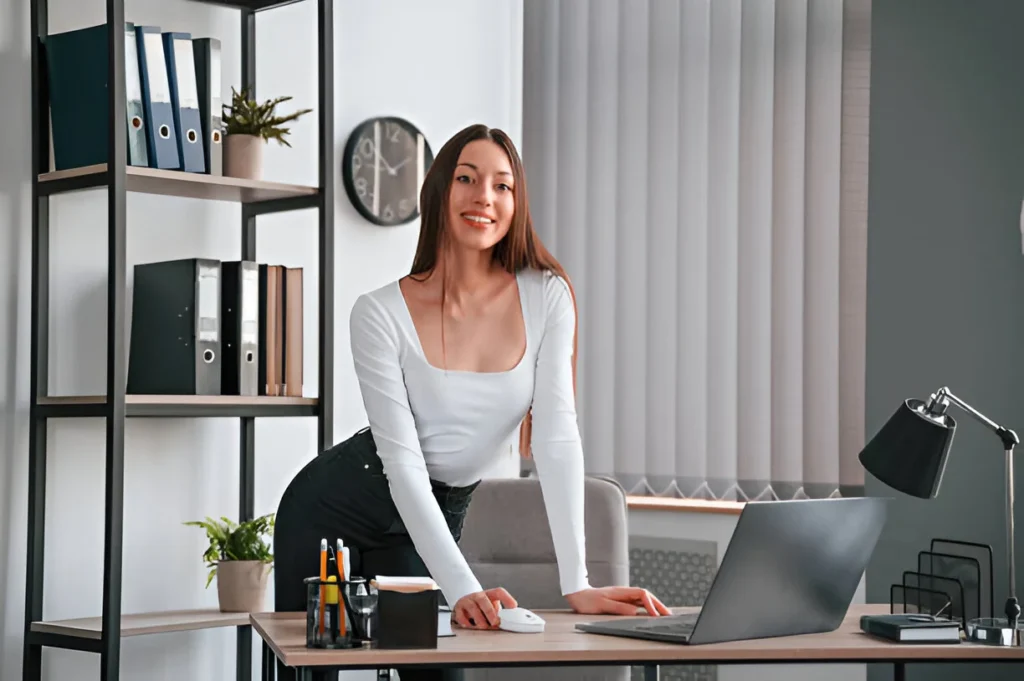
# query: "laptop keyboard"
x,y
670,624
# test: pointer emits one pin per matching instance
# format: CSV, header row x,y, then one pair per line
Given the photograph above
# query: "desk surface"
x,y
561,644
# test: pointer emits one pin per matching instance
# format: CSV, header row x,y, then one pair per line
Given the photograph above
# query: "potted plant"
x,y
247,128
241,560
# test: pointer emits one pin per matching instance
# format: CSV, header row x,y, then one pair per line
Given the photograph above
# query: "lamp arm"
x,y
937,405
940,402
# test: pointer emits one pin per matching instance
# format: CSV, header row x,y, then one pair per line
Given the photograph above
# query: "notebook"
x,y
911,628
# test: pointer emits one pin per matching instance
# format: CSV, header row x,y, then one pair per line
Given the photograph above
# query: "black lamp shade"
x,y
909,452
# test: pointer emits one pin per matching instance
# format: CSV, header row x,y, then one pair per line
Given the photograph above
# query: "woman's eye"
x,y
462,178
504,187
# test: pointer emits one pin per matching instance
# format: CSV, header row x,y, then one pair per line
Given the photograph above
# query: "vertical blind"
x,y
700,169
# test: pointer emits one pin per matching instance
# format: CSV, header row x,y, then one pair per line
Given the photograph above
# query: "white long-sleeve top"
x,y
431,423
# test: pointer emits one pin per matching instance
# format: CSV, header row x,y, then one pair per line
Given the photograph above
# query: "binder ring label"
x,y
208,356
136,122
165,132
191,136
216,136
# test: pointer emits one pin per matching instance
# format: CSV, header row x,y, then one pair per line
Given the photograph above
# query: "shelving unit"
x,y
102,634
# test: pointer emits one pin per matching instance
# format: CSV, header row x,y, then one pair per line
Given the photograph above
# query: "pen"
x,y
339,561
323,579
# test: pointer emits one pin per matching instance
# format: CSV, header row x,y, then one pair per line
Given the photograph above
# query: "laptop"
x,y
791,567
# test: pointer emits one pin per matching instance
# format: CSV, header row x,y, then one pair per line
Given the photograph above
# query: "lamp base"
x,y
995,631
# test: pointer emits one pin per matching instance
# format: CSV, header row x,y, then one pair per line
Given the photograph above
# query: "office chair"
x,y
507,541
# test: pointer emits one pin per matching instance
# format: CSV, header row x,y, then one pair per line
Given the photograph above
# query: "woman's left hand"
x,y
616,600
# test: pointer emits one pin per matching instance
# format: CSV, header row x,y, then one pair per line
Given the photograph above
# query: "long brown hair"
x,y
520,248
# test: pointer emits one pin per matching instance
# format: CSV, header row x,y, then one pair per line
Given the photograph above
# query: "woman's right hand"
x,y
478,611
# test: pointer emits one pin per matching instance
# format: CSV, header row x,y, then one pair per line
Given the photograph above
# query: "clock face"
x,y
384,163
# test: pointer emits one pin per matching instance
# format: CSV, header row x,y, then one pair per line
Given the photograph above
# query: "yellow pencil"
x,y
339,560
323,580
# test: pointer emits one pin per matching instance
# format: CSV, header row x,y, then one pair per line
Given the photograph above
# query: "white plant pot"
x,y
243,156
242,585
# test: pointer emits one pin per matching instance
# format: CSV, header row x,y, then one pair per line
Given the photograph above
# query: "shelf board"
x,y
179,406
254,5
177,183
140,624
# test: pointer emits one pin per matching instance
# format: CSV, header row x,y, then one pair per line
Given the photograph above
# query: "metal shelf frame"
x,y
112,407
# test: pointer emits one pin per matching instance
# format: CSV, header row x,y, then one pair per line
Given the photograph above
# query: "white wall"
x,y
718,528
443,65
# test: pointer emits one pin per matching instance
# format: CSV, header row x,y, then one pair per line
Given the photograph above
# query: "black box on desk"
x,y
407,619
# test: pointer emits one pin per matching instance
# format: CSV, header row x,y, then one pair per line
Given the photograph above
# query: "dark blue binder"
x,y
76,69
181,73
156,100
206,52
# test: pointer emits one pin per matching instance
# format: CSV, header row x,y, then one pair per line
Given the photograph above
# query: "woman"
x,y
450,359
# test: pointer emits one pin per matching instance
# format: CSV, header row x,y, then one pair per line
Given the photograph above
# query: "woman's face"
x,y
481,201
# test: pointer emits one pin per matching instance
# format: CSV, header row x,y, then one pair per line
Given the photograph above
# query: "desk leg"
x,y
305,673
651,672
899,672
269,666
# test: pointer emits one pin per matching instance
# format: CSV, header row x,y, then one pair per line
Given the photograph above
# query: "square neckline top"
x,y
417,343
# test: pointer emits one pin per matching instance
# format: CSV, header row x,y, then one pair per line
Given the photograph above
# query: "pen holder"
x,y
407,619
328,615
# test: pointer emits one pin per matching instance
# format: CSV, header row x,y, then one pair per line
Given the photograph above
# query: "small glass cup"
x,y
361,601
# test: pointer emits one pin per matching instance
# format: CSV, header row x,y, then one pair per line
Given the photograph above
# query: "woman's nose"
x,y
483,195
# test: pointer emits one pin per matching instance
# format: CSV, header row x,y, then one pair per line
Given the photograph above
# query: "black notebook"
x,y
912,628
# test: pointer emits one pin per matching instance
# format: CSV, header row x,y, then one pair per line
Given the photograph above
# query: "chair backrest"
x,y
507,540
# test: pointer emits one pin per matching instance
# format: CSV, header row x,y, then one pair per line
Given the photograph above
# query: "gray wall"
x,y
945,272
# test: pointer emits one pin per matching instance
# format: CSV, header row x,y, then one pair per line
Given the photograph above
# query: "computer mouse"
x,y
520,620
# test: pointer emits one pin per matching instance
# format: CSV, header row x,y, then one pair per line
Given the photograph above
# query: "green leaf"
x,y
230,540
245,117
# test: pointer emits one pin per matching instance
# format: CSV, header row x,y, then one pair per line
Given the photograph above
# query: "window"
x,y
700,169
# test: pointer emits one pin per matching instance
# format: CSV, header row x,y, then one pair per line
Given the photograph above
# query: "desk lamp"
x,y
909,455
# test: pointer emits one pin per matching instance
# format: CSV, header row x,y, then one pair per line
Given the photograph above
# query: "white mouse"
x,y
520,620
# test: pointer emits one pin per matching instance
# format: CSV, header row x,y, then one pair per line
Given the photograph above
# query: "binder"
x,y
175,329
76,85
156,100
271,334
206,52
138,154
181,74
292,332
239,314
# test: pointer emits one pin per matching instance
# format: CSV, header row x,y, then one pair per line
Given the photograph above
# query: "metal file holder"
x,y
951,579
331,601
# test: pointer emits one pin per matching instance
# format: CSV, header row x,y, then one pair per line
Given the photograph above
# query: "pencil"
x,y
323,580
339,560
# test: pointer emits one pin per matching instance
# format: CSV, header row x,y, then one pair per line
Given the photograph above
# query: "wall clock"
x,y
383,166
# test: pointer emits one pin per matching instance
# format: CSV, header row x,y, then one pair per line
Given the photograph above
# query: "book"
x,y
404,584
911,628
444,621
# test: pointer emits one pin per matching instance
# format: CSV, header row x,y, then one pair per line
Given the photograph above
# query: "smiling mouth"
x,y
477,219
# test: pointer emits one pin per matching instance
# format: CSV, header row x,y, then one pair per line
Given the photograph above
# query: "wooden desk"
x,y
283,637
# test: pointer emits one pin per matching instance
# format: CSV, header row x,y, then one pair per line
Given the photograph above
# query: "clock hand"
x,y
390,170
395,169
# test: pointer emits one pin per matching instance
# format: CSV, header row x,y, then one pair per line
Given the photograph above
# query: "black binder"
x,y
175,329
206,53
240,319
